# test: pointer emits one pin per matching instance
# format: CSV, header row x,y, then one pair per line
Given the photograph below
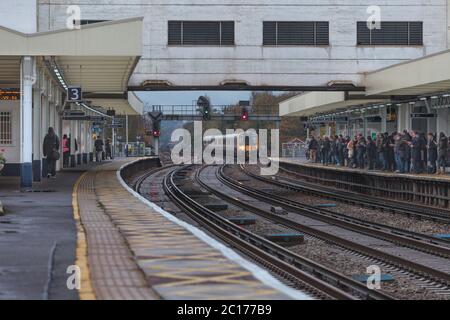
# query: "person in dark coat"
x,y
371,150
98,144
380,152
51,152
312,147
432,154
333,150
442,153
416,153
389,151
325,151
361,151
340,150
407,157
108,149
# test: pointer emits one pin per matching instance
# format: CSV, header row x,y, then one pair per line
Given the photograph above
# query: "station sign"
x,y
97,119
423,115
76,118
115,126
74,113
74,94
9,94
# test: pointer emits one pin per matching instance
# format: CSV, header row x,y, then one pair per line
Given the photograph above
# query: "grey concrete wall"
x,y
249,60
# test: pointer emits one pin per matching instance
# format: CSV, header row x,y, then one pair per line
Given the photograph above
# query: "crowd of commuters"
x,y
400,152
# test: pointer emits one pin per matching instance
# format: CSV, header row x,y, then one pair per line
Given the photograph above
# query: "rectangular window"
x,y
84,22
5,128
296,33
391,33
201,33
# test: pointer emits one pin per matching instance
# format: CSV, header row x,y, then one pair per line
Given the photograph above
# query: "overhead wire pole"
x,y
126,134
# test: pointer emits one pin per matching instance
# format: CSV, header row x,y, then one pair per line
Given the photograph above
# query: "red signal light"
x,y
156,133
244,116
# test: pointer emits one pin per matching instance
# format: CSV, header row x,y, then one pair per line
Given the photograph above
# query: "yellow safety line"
x,y
86,292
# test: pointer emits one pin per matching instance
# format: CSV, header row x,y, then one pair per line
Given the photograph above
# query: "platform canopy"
x,y
98,57
421,76
311,103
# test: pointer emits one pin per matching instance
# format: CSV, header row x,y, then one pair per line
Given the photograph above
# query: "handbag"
x,y
56,155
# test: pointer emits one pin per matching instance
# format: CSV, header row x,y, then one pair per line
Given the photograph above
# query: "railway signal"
x,y
244,104
244,115
205,105
156,133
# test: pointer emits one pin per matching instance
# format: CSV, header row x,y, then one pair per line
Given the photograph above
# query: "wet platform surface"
x,y
37,239
134,252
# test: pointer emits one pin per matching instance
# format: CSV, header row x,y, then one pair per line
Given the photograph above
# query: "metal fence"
x,y
135,149
294,150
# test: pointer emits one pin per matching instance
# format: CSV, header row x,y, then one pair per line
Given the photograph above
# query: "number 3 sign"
x,y
74,94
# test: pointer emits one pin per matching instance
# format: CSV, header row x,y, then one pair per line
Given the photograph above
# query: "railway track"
x,y
302,273
415,240
398,207
438,277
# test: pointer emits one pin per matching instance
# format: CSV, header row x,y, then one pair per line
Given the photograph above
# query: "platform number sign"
x,y
74,94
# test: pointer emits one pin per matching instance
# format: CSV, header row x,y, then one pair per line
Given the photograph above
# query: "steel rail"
x,y
331,283
417,268
430,244
396,206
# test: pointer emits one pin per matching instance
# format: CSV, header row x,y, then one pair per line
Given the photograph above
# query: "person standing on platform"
x,y
361,151
442,153
423,152
380,151
51,152
345,142
325,151
407,157
390,141
371,153
432,154
333,150
108,149
66,151
398,153
98,149
351,153
312,147
416,149
340,150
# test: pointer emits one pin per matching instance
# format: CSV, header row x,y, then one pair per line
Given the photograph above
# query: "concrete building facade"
x,y
248,60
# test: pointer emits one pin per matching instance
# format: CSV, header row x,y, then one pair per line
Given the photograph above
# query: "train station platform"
x,y
131,249
427,189
37,238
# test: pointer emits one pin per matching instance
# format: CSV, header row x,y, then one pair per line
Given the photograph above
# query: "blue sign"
x,y
74,94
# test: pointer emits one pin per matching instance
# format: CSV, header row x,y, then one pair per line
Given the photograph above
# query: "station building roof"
x,y
418,77
310,103
425,75
99,57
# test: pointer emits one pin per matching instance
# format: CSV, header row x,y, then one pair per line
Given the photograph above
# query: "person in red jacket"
x,y
66,151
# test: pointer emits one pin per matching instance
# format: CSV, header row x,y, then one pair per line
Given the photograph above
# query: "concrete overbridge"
x,y
218,112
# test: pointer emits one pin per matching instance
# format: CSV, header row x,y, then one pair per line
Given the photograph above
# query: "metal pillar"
x,y
27,80
383,114
156,145
37,133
